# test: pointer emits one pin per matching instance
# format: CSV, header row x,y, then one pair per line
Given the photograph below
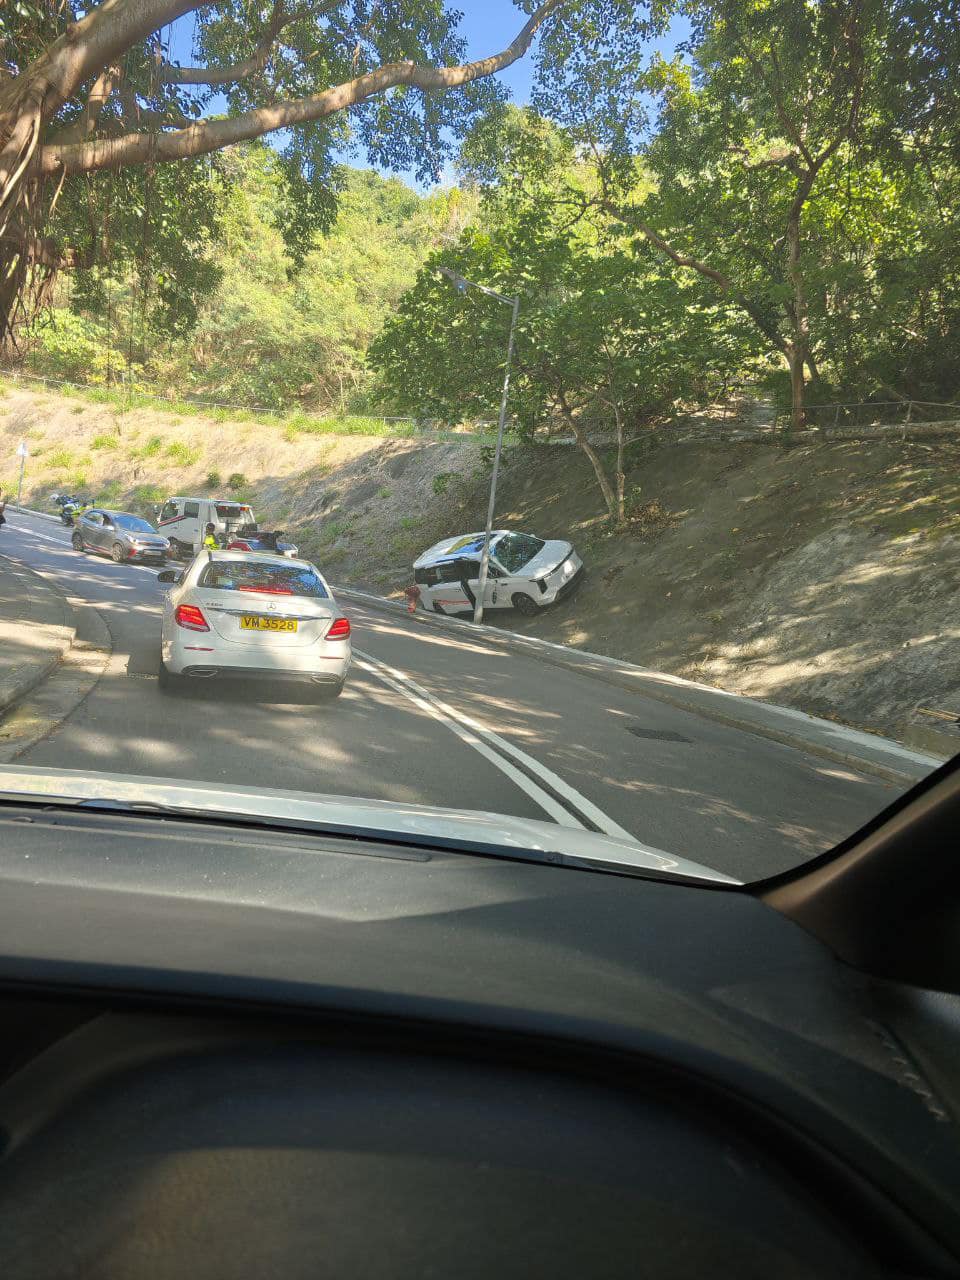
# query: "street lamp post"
x,y
22,452
462,285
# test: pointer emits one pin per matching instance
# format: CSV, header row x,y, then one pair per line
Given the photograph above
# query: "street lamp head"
x,y
459,283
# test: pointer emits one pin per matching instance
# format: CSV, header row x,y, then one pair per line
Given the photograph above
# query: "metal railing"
x,y
879,413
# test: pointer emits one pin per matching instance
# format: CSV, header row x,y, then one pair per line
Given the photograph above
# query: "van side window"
x,y
427,577
169,511
449,572
191,509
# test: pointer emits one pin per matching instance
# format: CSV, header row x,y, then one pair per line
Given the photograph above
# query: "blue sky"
x,y
487,25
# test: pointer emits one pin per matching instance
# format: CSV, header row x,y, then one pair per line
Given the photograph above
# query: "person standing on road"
x,y
210,538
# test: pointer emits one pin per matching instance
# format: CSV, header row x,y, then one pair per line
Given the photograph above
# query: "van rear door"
x,y
231,516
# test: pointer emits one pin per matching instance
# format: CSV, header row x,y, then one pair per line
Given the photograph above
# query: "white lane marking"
x,y
452,716
539,796
35,533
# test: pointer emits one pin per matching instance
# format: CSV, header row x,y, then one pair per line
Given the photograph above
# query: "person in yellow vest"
x,y
210,542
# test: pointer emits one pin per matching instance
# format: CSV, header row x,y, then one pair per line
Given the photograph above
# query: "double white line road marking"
x,y
563,803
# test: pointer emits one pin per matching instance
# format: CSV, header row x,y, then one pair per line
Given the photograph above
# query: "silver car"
x,y
120,535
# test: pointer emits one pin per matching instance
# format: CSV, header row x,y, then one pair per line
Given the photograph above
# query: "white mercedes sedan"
x,y
248,615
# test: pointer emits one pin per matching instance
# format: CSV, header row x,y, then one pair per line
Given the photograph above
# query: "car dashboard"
x,y
232,1052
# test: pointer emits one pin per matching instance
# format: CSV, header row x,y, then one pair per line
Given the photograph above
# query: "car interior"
x,y
386,1060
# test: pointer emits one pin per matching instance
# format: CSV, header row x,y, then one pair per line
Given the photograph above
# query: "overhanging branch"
x,y
170,74
211,135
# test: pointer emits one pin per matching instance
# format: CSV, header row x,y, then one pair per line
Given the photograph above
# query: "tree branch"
x,y
169,74
212,135
630,220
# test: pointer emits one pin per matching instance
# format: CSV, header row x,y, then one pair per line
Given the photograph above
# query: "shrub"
x,y
213,480
102,441
152,447
237,482
441,482
148,495
60,458
78,481
384,492
184,455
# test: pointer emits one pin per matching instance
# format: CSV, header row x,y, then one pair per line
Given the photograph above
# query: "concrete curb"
x,y
59,630
838,743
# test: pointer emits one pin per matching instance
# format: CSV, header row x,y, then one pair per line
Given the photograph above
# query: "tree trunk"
x,y
609,497
796,359
620,477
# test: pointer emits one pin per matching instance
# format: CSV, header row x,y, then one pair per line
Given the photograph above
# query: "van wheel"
x,y
525,604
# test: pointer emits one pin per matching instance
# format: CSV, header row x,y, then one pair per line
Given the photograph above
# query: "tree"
x,y
775,92
85,89
603,336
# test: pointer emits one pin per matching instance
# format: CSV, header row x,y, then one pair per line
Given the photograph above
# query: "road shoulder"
x,y
37,630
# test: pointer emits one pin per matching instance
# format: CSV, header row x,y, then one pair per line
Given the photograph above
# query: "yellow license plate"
x,y
253,622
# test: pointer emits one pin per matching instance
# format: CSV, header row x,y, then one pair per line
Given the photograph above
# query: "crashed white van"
x,y
525,572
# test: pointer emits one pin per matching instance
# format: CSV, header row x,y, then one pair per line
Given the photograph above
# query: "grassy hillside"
x,y
825,576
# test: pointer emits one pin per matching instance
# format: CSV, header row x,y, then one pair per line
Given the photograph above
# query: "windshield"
x,y
514,550
295,580
660,302
133,523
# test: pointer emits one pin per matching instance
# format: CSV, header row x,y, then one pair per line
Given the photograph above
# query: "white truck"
x,y
183,521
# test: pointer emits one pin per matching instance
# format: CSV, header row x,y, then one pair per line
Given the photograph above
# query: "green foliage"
x,y
103,441
271,336
441,482
183,455
383,493
60,459
73,347
238,482
146,496
152,448
213,480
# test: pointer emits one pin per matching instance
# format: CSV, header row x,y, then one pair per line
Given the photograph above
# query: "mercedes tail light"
x,y
191,617
340,630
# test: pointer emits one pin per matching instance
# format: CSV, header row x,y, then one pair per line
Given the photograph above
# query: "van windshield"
x,y
514,550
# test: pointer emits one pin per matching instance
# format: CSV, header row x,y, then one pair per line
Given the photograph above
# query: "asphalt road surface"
x,y
431,718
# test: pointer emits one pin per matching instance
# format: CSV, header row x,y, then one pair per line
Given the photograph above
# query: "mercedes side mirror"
x,y
169,575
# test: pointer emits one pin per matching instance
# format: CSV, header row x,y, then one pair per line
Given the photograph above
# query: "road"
x,y
433,718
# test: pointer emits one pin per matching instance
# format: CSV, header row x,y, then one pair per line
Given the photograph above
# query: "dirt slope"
x,y
824,577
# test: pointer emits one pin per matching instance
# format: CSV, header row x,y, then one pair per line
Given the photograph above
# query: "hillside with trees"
x,y
259,328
